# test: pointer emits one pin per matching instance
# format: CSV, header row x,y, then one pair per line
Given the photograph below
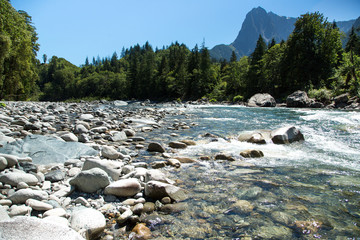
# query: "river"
x,y
304,190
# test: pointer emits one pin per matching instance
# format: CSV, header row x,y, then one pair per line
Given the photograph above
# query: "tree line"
x,y
312,59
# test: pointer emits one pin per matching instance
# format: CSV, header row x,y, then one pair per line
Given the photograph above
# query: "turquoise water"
x,y
307,190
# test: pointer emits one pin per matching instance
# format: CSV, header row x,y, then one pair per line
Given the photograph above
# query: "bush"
x,y
238,98
322,95
213,100
2,105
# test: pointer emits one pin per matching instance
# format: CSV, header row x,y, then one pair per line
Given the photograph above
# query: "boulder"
x,y
55,176
158,190
111,153
341,100
90,181
124,188
14,178
298,99
30,228
155,147
286,135
224,156
112,168
89,221
157,175
257,136
252,154
262,100
22,195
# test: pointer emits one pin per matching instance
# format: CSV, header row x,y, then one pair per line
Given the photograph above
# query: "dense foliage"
x,y
312,59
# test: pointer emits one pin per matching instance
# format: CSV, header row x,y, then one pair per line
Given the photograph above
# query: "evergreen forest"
x,y
313,59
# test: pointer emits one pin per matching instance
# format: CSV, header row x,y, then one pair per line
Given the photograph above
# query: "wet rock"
x,y
90,181
14,178
307,227
56,212
174,162
124,188
149,207
224,156
185,160
189,142
55,176
157,175
111,153
155,147
262,100
252,154
257,136
38,205
88,221
242,207
158,190
298,99
22,195
283,218
140,232
176,144
129,132
286,135
28,167
273,232
158,164
138,208
174,208
35,228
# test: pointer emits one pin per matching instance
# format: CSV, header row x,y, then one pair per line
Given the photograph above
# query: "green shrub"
x,y
213,100
238,98
322,95
2,105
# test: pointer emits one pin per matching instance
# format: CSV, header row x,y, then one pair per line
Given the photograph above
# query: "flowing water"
x,y
304,190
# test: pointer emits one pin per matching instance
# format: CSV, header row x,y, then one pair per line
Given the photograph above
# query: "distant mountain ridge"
x,y
269,25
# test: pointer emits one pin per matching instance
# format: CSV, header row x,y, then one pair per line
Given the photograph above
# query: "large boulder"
x,y
262,100
257,136
341,100
124,188
112,168
30,228
286,135
159,190
22,195
90,181
88,221
298,99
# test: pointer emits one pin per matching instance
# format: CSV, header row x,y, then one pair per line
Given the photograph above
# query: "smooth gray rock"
x,y
155,147
69,137
176,144
298,99
11,159
14,178
118,136
262,100
3,163
112,168
157,175
38,205
159,190
5,139
80,128
46,150
55,176
111,153
32,228
16,210
90,181
22,195
88,221
124,188
3,215
286,135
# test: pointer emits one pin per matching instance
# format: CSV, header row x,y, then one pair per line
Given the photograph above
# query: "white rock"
x,y
74,171
85,117
32,228
112,168
111,153
158,190
57,220
3,215
3,163
11,159
124,188
22,195
157,175
88,221
90,181
38,205
14,178
69,137
16,210
56,212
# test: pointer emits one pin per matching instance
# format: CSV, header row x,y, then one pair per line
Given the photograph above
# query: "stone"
x,y
155,147
341,100
46,149
298,99
22,185
307,227
286,135
91,180
88,221
257,136
118,136
124,188
242,207
111,153
101,129
56,212
55,176
22,195
14,178
189,142
273,232
176,144
58,220
138,208
157,175
158,164
27,228
173,162
185,159
223,156
69,137
63,192
86,117
11,159
149,207
129,132
158,190
80,128
19,210
252,153
262,100
112,168
28,167
174,208
3,215
38,205
141,232
74,171
3,163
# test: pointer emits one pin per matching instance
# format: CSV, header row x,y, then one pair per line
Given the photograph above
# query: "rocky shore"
x,y
74,170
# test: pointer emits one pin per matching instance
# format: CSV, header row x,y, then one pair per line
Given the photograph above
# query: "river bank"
x,y
190,154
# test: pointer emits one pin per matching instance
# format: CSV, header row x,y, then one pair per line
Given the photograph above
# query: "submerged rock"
x,y
286,135
252,154
158,190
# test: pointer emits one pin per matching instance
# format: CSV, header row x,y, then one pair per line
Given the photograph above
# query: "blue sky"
x,y
76,29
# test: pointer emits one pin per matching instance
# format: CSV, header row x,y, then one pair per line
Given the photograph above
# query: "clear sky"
x,y
76,29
